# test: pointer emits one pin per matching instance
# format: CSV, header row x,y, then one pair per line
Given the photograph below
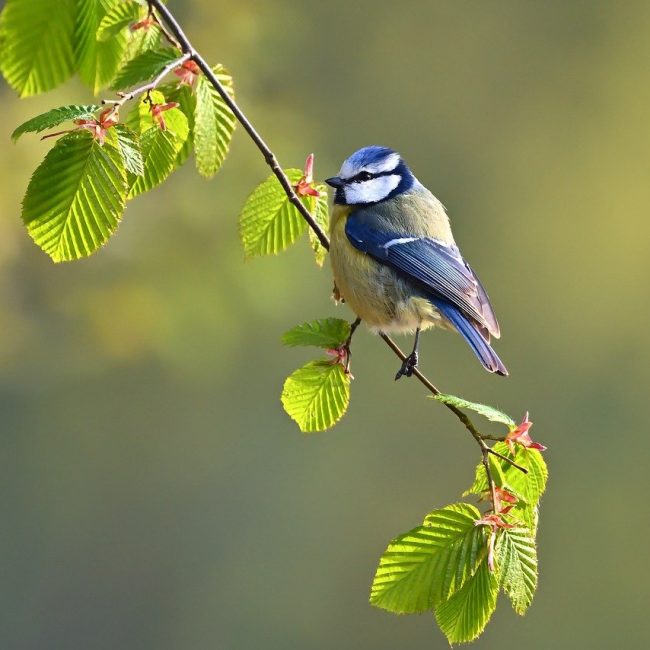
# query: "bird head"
x,y
371,175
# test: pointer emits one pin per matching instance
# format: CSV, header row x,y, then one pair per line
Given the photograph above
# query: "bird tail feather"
x,y
469,331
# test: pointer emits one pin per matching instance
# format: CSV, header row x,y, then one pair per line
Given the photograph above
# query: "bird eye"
x,y
363,176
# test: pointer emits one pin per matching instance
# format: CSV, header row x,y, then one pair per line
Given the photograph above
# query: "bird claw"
x,y
408,366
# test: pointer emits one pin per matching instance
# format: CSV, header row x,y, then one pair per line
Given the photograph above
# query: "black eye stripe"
x,y
367,176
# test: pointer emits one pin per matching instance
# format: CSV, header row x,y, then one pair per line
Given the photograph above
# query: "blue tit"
x,y
395,261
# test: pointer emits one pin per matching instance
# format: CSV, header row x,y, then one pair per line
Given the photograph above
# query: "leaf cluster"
x,y
77,195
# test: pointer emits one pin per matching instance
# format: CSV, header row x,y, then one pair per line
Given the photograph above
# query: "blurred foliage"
x,y
155,493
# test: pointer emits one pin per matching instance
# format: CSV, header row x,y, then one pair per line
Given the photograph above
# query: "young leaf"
x,y
129,146
214,124
464,616
316,396
324,333
75,198
319,208
527,487
119,17
183,95
37,48
98,61
516,561
269,223
486,411
55,117
428,564
143,67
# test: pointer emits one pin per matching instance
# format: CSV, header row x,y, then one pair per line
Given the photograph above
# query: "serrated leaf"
x,y
324,333
37,45
316,396
319,208
129,146
187,102
143,67
55,117
214,123
75,197
516,562
527,487
425,566
482,409
465,614
97,61
142,40
119,17
268,223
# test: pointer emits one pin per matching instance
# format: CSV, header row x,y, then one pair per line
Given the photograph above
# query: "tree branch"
x,y
178,35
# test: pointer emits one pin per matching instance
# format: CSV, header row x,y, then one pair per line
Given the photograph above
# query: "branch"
x,y
186,47
152,85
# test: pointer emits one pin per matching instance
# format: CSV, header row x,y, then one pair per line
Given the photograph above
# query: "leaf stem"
x,y
177,34
521,468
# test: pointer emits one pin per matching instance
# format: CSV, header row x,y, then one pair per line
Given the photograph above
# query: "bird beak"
x,y
335,181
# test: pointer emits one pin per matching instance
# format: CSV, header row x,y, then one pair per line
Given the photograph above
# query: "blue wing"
x,y
437,269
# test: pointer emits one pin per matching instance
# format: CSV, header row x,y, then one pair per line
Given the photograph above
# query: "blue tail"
x,y
487,356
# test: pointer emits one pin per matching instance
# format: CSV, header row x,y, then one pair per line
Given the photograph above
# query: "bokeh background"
x,y
154,494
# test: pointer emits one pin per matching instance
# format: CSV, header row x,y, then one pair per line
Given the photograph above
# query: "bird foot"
x,y
408,366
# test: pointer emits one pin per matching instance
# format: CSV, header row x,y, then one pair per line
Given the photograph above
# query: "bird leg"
x,y
411,362
346,345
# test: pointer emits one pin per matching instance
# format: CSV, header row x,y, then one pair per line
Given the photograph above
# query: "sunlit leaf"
x,y
268,222
214,123
159,151
464,616
75,198
129,146
486,411
97,61
54,117
529,487
144,67
119,17
187,103
516,562
316,396
37,45
324,333
318,206
425,566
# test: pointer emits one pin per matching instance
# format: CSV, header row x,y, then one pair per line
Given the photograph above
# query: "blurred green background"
x,y
154,495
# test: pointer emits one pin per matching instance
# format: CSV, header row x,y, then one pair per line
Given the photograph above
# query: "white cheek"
x,y
376,189
387,164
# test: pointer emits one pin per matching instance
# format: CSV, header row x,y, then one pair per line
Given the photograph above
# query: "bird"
x,y
395,261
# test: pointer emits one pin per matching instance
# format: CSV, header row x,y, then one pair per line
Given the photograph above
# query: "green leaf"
x,y
98,61
516,561
143,67
55,117
187,103
269,223
119,17
428,564
528,487
75,198
464,616
319,208
142,40
37,46
160,150
129,146
214,123
486,411
324,333
316,396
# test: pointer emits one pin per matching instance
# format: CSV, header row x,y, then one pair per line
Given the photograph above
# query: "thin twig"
x,y
148,87
521,468
269,156
166,17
